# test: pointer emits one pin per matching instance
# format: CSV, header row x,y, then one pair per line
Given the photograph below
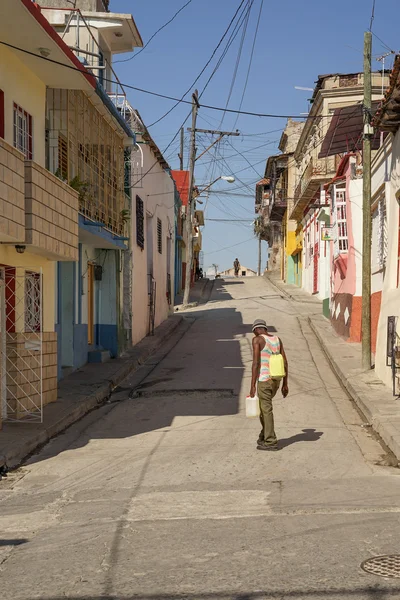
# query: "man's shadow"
x,y
307,435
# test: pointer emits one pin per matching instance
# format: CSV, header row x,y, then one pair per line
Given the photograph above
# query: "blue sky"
x,y
296,42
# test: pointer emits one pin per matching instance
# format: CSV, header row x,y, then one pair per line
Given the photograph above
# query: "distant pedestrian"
x,y
262,383
236,266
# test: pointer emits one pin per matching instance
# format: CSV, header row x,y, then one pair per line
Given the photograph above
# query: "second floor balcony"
x,y
317,172
278,204
37,210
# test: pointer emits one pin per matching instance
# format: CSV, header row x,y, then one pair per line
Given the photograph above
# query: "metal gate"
x,y
21,351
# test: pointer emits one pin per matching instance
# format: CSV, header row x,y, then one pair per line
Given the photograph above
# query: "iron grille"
x,y
159,235
139,222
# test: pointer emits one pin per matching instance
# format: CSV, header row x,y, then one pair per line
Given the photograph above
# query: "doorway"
x,y
90,304
66,291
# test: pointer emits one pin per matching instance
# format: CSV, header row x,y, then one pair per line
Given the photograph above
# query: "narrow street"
x,y
162,494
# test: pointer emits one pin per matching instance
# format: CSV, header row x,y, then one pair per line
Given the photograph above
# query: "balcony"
x,y
12,198
315,174
278,205
51,215
197,240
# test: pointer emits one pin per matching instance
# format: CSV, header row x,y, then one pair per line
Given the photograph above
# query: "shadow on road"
x,y
368,592
16,542
307,435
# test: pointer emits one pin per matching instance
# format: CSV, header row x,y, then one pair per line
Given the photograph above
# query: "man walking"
x,y
264,345
236,266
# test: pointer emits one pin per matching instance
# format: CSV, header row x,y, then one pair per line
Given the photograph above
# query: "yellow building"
x,y
38,211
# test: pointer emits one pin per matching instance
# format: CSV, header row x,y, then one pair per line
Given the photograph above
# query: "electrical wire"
x,y
372,15
229,247
178,101
85,72
239,55
154,34
250,62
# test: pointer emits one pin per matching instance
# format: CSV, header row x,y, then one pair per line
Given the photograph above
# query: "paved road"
x,y
162,494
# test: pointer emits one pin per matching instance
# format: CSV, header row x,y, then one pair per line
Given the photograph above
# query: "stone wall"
x,y
51,214
12,201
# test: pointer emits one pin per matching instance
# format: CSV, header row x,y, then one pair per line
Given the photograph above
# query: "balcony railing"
x,y
316,169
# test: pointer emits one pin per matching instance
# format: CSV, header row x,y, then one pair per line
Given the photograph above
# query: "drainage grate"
x,y
383,566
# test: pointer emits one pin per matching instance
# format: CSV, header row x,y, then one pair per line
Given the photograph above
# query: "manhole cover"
x,y
383,566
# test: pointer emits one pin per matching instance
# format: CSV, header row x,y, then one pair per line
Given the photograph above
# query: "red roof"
x,y
181,179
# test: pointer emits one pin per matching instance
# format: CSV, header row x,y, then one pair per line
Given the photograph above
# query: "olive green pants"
x,y
266,391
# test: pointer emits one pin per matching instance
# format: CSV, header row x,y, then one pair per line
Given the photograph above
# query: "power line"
x,y
228,247
179,100
250,62
245,158
154,34
383,43
84,72
372,15
239,55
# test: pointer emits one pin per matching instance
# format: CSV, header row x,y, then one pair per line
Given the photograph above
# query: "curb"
x,y
281,290
132,360
308,299
383,425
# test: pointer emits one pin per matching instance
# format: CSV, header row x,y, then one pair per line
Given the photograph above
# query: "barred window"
x,y
341,243
32,302
159,235
139,222
23,140
382,233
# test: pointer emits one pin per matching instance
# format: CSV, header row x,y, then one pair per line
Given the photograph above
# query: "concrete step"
x,y
98,356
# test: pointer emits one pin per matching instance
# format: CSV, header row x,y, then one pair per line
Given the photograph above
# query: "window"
x,y
23,132
382,233
139,222
339,211
159,236
32,302
62,157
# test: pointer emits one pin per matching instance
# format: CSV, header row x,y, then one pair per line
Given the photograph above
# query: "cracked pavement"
x,y
161,493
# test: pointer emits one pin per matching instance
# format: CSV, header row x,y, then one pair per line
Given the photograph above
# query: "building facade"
x,y
386,235
39,211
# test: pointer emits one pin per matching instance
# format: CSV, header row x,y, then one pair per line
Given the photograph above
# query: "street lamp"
x,y
228,178
189,265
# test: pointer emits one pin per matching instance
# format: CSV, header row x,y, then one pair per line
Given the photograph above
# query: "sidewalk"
x,y
199,291
78,394
373,398
291,291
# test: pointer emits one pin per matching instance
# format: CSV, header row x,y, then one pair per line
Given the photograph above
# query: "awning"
x,y
346,130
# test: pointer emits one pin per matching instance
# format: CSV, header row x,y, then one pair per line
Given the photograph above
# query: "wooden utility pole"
x,y
259,254
189,214
180,155
367,226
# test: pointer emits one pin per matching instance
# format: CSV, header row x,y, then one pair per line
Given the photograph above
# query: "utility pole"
x,y
189,214
367,227
259,254
180,155
191,203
